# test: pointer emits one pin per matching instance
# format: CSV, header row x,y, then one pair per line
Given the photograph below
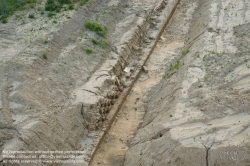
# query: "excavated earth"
x,y
172,87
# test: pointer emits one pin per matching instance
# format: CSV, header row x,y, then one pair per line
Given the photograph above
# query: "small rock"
x,y
127,75
145,69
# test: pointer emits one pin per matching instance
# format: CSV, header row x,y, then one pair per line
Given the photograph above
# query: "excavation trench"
x,y
113,146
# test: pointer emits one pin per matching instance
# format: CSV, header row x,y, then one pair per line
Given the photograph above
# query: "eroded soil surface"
x,y
190,108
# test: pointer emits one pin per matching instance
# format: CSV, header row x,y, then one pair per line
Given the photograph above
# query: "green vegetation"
x,y
174,66
205,78
13,5
96,27
71,7
185,52
170,115
102,44
4,19
50,14
89,50
53,5
45,56
84,2
31,16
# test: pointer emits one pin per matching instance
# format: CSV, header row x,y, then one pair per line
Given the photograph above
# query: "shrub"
x,y
96,27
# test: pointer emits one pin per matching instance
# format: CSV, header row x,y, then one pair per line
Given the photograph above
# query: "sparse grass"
x,y
89,50
185,52
102,44
45,56
96,27
174,66
205,78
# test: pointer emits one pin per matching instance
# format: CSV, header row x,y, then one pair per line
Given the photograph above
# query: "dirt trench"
x,y
116,142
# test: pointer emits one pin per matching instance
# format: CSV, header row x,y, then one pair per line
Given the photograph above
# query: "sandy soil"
x,y
190,108
201,109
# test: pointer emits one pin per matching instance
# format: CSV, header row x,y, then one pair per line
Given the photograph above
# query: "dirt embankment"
x,y
199,113
42,61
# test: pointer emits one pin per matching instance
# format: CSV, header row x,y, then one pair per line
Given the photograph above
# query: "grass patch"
x,y
4,18
89,50
12,5
174,66
102,44
96,27
84,2
71,7
185,52
52,5
45,56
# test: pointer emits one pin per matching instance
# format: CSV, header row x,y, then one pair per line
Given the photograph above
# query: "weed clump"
x,y
71,7
96,27
45,56
102,44
174,66
89,50
4,19
84,2
52,5
185,52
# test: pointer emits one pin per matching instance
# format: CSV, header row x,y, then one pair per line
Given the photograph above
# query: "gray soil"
x,y
191,108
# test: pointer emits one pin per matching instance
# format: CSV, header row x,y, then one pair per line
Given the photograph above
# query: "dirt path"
x,y
115,145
